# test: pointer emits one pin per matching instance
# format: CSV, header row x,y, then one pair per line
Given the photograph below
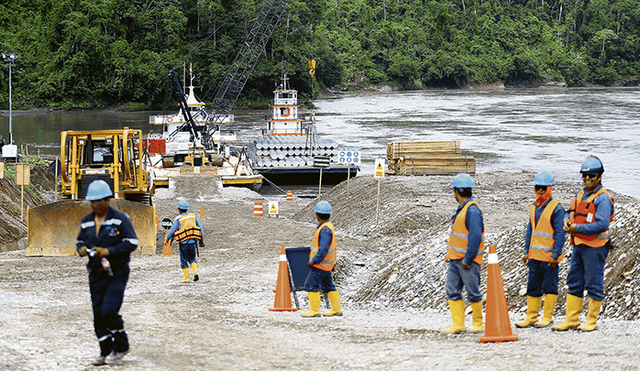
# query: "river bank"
x,y
390,277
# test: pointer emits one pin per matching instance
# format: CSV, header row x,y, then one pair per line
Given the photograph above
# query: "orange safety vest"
x,y
584,213
329,260
542,241
188,228
459,237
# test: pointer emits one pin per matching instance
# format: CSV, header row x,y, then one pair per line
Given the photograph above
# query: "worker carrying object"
x,y
464,255
588,224
187,231
543,251
107,235
322,259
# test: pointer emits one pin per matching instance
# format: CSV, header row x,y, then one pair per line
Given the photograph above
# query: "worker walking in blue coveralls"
x,y
107,236
187,231
543,251
322,259
464,255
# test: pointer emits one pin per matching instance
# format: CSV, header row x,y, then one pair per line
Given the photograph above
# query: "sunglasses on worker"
x,y
584,176
539,188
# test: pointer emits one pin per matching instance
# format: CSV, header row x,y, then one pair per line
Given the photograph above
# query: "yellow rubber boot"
x,y
547,313
194,266
334,299
592,316
314,305
571,318
457,315
476,315
185,272
533,308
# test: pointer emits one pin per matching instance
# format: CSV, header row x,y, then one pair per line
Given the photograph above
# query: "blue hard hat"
x,y
98,190
592,165
323,207
543,178
183,205
462,180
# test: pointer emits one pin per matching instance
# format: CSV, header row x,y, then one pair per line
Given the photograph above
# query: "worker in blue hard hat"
x,y
187,231
108,237
322,259
543,251
464,254
588,224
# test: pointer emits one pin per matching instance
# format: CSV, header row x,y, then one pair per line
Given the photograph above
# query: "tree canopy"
x,y
99,53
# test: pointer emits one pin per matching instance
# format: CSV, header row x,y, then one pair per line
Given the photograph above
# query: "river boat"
x,y
289,147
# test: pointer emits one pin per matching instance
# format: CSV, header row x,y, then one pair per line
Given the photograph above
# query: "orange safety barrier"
x,y
289,196
498,326
282,302
201,211
257,209
166,246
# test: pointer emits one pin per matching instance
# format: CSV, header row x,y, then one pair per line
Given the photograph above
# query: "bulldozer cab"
x,y
197,156
110,155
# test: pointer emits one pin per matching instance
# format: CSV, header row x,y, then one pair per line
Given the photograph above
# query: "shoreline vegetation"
x,y
71,54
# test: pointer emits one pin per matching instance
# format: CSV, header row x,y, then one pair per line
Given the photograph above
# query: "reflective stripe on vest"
x,y
585,213
459,237
329,260
542,233
188,228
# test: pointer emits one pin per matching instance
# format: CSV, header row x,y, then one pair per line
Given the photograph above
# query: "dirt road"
x,y
222,322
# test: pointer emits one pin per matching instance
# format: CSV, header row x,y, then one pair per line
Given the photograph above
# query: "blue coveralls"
x,y
107,293
458,277
542,278
187,247
587,263
317,278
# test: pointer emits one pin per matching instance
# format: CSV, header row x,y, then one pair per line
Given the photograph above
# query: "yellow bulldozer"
x,y
111,155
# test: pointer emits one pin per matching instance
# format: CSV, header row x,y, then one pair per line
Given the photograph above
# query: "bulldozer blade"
x,y
52,229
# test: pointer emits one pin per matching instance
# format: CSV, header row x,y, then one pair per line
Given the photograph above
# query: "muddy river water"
x,y
512,130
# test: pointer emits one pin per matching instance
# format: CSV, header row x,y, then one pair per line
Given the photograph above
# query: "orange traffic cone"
x,y
289,196
497,325
257,209
166,246
201,211
282,301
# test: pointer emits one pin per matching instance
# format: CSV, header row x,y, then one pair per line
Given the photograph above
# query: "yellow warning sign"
x,y
379,172
273,207
196,169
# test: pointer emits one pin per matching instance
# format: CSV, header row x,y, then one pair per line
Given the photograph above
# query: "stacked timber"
x,y
428,158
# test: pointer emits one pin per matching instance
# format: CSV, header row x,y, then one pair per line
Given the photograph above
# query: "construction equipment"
x,y
110,155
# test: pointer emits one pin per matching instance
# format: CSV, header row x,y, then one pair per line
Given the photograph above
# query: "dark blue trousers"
x,y
107,294
542,278
318,279
586,271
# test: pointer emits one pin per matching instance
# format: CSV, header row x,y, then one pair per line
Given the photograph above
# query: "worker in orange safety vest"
x,y
464,255
322,259
588,224
543,251
187,231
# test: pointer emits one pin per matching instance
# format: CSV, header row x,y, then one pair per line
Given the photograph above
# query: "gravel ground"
x,y
222,322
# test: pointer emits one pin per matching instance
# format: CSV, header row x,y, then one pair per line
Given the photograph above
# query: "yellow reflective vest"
x,y
188,228
329,260
459,237
542,233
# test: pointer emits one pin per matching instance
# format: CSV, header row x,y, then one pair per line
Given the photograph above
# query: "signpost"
x,y
23,178
379,173
349,156
321,162
273,208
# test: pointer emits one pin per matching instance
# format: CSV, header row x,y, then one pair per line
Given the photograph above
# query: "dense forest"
x,y
100,53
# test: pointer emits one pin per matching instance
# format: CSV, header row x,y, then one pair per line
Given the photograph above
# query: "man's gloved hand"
x,y
524,260
201,244
553,262
309,264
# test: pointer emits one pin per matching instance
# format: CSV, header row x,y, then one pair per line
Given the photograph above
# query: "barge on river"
x,y
286,151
